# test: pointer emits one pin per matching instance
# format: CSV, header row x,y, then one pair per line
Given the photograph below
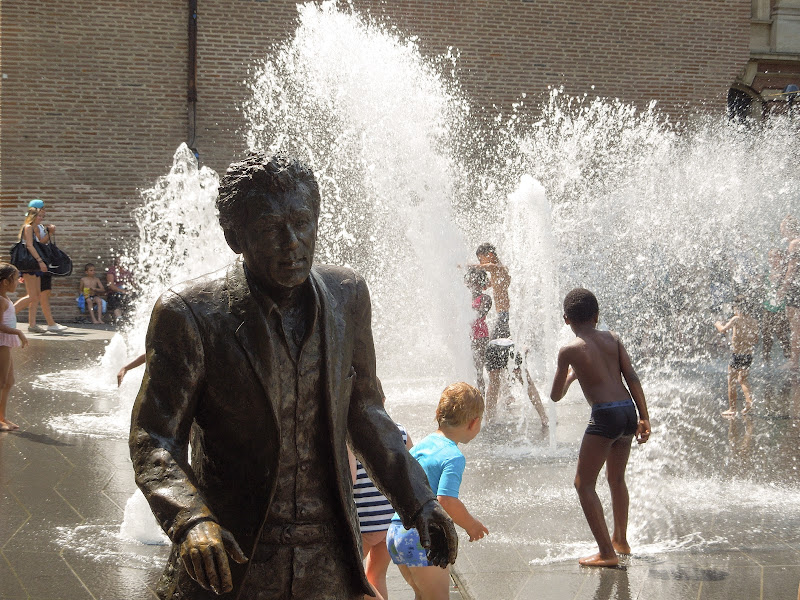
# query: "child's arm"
x,y
723,328
11,330
460,515
97,286
563,378
139,360
637,393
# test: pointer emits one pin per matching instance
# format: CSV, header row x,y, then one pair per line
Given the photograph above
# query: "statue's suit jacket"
x,y
209,380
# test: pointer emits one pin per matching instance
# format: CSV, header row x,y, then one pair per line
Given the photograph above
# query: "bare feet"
x,y
621,547
598,561
728,413
747,408
4,427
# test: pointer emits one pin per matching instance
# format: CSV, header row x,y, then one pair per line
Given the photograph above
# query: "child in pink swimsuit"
x,y
10,337
477,281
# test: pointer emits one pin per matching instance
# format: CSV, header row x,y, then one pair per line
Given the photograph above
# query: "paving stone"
x,y
117,582
10,585
46,575
741,582
496,585
12,516
781,582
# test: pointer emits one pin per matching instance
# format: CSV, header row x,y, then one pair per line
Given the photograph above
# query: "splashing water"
x,y
179,239
651,216
372,118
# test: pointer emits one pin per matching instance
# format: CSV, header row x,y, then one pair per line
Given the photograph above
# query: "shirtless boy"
x,y
598,360
744,337
92,290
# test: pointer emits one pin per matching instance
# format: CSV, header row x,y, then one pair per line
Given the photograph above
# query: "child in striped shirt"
x,y
374,516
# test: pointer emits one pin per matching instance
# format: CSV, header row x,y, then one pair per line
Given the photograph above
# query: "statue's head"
x,y
268,210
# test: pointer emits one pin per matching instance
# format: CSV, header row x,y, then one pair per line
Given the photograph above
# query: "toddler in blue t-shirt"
x,y
459,416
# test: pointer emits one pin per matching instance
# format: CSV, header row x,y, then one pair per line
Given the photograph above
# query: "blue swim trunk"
x,y
613,420
404,546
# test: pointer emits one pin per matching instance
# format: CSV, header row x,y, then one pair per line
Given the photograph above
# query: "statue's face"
x,y
277,241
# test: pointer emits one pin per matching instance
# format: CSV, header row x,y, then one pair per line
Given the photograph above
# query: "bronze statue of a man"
x,y
268,369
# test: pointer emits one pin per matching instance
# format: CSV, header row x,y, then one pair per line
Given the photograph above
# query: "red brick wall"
x,y
93,103
93,107
680,53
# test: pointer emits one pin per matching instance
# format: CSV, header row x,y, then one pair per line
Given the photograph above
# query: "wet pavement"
x,y
715,507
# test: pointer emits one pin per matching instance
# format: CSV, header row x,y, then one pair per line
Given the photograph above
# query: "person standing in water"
x,y
499,352
477,281
10,337
744,337
599,361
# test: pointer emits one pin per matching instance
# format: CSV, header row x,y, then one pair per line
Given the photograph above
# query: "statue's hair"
x,y
580,305
459,404
272,176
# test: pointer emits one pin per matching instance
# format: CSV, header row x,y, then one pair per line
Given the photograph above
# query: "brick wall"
x,y
93,107
93,100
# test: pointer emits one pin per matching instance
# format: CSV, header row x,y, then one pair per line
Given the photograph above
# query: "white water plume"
x,y
372,117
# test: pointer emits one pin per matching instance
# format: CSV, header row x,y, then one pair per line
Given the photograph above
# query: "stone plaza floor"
x,y
63,495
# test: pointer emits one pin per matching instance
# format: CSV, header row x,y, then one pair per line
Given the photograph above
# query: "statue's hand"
x,y
204,552
437,534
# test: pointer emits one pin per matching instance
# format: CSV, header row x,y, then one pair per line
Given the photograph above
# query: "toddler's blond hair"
x,y
459,404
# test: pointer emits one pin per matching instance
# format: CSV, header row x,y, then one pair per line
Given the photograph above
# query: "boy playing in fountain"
x,y
459,416
744,337
92,290
599,361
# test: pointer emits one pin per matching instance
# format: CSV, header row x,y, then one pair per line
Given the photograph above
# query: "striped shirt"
x,y
374,510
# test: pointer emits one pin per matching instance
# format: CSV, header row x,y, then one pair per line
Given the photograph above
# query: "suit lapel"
x,y
333,332
252,334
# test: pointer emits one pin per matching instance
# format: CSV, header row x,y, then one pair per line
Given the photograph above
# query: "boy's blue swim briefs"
x,y
613,420
404,546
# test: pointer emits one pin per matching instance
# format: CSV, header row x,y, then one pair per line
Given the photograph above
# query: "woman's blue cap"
x,y
36,203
